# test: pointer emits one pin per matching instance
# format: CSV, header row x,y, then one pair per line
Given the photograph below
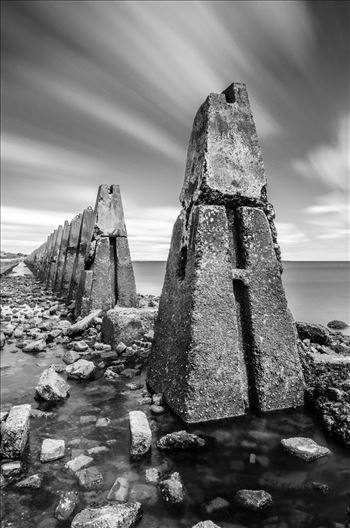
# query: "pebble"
x,y
172,489
304,448
33,482
66,505
90,478
52,449
78,463
254,500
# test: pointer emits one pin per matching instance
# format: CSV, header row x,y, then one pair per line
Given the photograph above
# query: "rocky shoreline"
x,y
37,322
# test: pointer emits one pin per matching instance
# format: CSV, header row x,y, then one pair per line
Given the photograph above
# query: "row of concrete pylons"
x,y
88,260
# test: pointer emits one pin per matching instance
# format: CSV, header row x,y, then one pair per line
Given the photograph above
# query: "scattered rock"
x,y
83,324
206,524
180,440
33,482
103,422
78,463
98,450
66,505
110,516
255,500
119,491
11,469
70,356
157,409
172,489
140,433
80,346
144,494
111,374
35,346
152,475
304,448
52,449
90,478
216,505
315,332
337,325
81,369
51,386
15,432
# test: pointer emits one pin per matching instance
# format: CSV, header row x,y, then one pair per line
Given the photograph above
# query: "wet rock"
x,y
78,463
8,330
157,409
52,449
70,356
36,413
33,482
35,346
66,505
172,489
206,524
216,505
119,491
140,433
90,478
144,494
157,399
98,450
2,340
83,324
337,325
81,369
103,422
127,325
120,348
51,386
304,448
110,516
152,475
18,333
180,440
255,500
84,420
111,374
11,469
315,332
80,346
15,432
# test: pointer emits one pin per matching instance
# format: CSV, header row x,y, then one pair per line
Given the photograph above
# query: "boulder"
x,y
32,482
83,324
66,505
172,489
315,332
70,356
15,431
140,433
51,386
52,449
180,440
304,448
254,500
119,491
127,325
110,516
81,369
90,478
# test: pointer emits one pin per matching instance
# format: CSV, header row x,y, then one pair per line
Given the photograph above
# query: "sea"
x,y
317,292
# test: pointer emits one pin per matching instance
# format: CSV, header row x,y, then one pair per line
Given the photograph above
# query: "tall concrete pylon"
x,y
61,257
70,255
86,230
108,278
225,342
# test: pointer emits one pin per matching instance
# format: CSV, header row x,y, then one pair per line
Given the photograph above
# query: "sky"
x,y
106,92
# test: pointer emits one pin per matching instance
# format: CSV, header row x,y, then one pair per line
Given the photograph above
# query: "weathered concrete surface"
x,y
54,256
127,325
224,159
197,358
71,252
61,256
15,432
86,229
224,339
107,258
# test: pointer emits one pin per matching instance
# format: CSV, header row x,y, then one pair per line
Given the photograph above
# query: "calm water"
x,y
218,470
316,291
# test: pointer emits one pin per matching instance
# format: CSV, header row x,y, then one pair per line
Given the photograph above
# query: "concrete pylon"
x,y
108,278
86,230
225,342
71,250
46,259
61,257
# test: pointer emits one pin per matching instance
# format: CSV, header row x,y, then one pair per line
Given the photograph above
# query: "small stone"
x,y
51,386
78,463
90,478
337,325
157,409
206,524
15,432
120,348
144,494
52,449
254,500
8,330
70,356
33,482
103,422
98,450
119,491
215,505
157,399
172,489
304,448
35,346
111,516
111,374
83,324
11,469
84,420
180,440
66,505
80,346
81,369
152,475
140,433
